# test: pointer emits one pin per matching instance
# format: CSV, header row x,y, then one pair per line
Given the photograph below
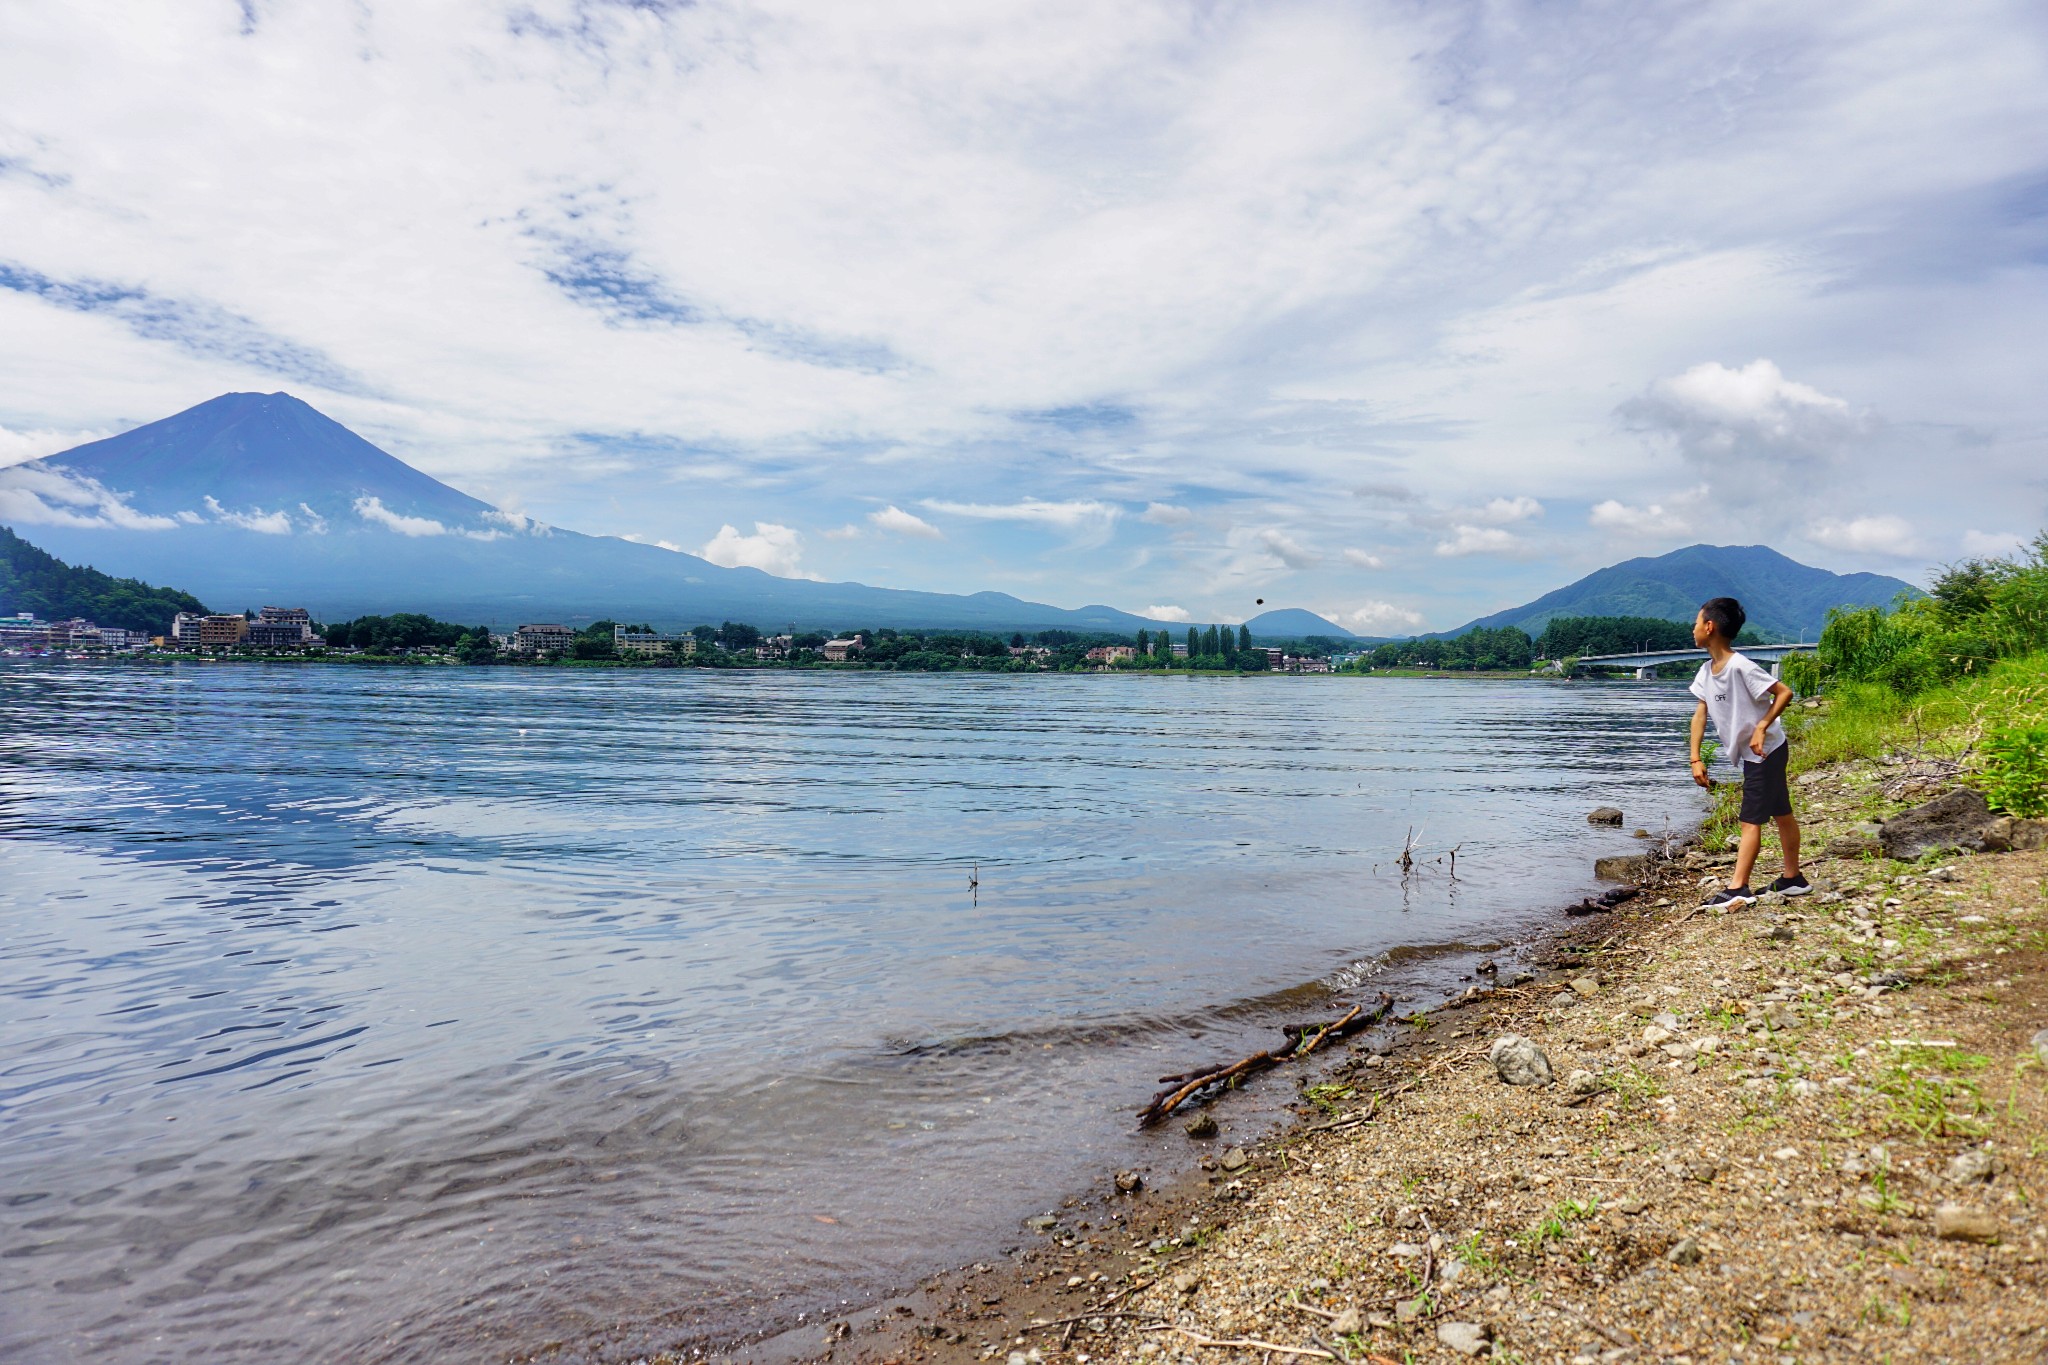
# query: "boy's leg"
x,y
1788,842
1745,853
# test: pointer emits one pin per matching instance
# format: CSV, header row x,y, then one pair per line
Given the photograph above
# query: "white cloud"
x,y
1723,419
846,532
639,539
1166,514
1678,516
1165,613
1067,516
16,446
1287,549
38,495
772,549
1376,618
1992,544
896,521
1507,511
1360,559
1479,540
373,510
518,522
1884,535
256,519
315,523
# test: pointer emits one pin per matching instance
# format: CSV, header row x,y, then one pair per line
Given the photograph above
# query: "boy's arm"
x,y
1781,697
1699,732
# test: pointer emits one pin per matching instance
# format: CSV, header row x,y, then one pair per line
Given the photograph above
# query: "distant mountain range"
x,y
1786,600
251,499
255,498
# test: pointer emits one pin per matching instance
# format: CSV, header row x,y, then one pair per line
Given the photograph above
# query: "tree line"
x,y
34,580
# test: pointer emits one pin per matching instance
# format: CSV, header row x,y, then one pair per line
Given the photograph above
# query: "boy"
x,y
1745,703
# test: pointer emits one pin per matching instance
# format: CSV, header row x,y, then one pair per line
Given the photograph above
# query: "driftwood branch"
x,y
1302,1039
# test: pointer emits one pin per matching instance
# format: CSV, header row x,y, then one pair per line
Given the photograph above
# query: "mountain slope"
x,y
251,499
1784,598
1293,623
33,581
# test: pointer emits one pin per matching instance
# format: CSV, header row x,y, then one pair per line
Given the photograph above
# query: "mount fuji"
x,y
253,498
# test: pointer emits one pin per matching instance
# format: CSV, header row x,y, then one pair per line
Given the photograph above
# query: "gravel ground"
x,y
1814,1130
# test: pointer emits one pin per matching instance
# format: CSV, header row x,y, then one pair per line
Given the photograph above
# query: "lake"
x,y
436,1014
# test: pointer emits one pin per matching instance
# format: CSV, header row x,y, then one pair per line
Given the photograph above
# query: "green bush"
x,y
2016,769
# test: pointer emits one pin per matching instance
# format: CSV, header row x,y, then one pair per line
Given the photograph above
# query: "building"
x,y
839,651
648,643
192,631
118,641
774,647
1304,664
1112,654
1276,659
277,635
542,639
1180,651
23,631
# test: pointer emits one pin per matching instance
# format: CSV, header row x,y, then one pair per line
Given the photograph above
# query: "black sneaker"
x,y
1734,898
1791,886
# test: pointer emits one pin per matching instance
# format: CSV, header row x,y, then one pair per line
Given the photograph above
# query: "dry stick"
x,y
1244,1343
1068,1322
1166,1101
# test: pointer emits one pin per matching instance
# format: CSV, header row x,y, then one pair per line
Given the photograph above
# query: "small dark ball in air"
x,y
1260,602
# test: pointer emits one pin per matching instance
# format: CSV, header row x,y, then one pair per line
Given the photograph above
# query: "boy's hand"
x,y
1699,774
1756,741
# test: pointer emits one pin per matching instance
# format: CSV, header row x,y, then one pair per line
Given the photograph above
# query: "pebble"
x,y
1518,1061
1781,933
1201,1126
1975,1164
1466,1338
1586,986
1667,1020
1959,1223
2040,1042
1656,1035
1235,1159
1583,1082
1347,1323
1685,1252
1129,1182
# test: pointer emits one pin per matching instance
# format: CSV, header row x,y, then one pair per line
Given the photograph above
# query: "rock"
x,y
1586,986
1780,1015
1201,1126
2028,835
1628,867
1348,1323
1958,1223
1975,1164
1583,1082
1186,1282
1466,1338
1656,1035
1958,819
1518,1061
1781,933
1605,815
1666,1020
1129,1182
1685,1252
1408,1310
1045,1222
1848,846
1235,1159
2040,1042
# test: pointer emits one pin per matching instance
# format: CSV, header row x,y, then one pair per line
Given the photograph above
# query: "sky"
x,y
1402,313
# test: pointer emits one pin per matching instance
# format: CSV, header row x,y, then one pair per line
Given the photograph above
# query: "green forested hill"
x,y
33,580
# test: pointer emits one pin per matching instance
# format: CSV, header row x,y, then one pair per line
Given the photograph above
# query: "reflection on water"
x,y
409,1015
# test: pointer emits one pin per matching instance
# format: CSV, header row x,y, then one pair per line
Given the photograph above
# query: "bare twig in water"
x,y
1301,1041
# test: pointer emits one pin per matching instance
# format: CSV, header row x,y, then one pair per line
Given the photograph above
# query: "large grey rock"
x,y
1627,867
1958,819
1604,815
1518,1061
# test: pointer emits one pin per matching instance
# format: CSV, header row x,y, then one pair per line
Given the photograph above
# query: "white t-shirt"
x,y
1737,698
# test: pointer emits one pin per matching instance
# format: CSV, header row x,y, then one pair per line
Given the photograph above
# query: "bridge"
x,y
1647,663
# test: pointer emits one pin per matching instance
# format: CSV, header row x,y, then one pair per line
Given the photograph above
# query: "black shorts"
x,y
1764,790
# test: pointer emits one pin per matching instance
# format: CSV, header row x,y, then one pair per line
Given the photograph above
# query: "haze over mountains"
x,y
259,498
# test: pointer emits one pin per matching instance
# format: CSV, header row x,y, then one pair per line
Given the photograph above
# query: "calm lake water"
x,y
384,1015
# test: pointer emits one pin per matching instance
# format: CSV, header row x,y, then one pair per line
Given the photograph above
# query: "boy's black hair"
x,y
1727,616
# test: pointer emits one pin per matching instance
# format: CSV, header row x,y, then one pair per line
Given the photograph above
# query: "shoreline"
x,y
1839,1151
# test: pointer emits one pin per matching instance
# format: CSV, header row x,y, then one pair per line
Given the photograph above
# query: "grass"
x,y
1634,1087
1923,1088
